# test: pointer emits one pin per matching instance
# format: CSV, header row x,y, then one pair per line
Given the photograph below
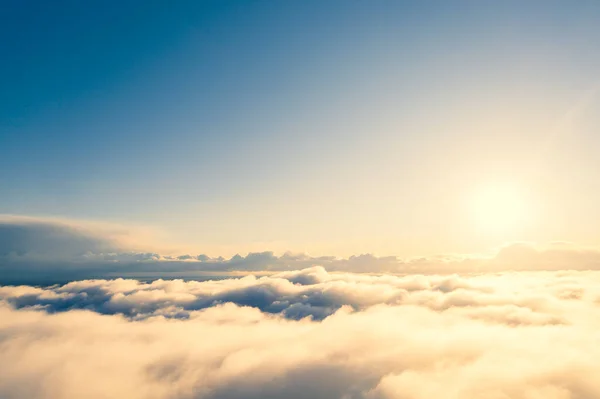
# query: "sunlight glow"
x,y
499,208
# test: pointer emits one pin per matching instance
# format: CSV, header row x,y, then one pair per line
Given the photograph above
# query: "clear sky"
x,y
333,127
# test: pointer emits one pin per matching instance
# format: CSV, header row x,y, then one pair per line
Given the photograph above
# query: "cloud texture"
x,y
306,334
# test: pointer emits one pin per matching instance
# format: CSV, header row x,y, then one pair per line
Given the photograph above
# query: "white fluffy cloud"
x,y
524,335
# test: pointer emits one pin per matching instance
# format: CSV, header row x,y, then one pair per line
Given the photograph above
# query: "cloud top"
x,y
305,334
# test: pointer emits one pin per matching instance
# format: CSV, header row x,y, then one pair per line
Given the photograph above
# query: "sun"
x,y
499,208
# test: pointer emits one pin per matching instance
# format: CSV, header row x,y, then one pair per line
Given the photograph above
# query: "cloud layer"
x,y
306,334
45,251
312,292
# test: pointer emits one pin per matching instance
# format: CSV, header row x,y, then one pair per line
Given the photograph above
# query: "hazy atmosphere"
x,y
310,199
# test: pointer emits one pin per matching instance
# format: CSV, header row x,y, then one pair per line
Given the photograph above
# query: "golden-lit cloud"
x,y
45,251
304,334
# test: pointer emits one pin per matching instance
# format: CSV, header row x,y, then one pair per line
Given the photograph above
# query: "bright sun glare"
x,y
499,208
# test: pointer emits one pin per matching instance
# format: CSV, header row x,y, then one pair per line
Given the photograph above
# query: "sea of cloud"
x,y
84,314
306,334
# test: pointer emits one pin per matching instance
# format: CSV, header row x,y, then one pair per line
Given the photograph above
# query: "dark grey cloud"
x,y
39,238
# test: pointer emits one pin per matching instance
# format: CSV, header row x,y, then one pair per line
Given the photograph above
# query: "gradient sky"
x,y
333,127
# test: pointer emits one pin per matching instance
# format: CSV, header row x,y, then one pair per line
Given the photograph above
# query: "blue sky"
x,y
334,127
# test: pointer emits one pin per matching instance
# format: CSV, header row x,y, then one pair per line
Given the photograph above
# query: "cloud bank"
x,y
47,251
306,334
